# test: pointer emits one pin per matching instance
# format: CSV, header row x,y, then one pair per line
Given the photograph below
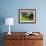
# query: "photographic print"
x,y
27,15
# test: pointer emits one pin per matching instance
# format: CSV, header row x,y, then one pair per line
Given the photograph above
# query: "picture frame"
x,y
27,16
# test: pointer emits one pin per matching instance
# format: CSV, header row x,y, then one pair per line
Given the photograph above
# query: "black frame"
x,y
33,10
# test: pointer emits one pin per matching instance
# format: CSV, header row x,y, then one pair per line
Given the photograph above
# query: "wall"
x,y
9,8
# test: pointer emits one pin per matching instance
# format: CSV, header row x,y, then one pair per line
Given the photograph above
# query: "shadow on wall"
x,y
1,39
2,21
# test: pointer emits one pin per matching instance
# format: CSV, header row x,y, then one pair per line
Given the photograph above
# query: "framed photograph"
x,y
27,15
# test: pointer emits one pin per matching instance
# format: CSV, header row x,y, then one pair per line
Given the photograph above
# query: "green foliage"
x,y
24,19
